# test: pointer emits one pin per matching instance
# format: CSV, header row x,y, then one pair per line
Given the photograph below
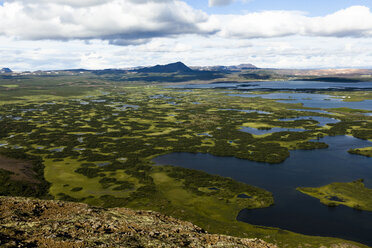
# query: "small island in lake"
x,y
353,194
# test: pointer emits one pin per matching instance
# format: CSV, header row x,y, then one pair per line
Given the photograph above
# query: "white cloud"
x,y
79,3
213,3
121,33
219,2
134,22
120,21
261,24
283,52
84,3
355,21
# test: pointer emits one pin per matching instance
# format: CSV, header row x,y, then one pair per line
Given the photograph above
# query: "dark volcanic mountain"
x,y
6,70
169,68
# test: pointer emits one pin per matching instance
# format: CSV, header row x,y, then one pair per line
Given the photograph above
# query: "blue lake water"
x,y
307,99
322,120
283,85
312,100
125,107
256,131
293,210
58,149
205,134
103,164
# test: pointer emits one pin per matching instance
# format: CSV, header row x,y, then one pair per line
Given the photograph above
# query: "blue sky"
x,y
312,7
98,34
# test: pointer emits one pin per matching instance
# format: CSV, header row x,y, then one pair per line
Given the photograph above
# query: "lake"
x,y
282,85
293,210
312,100
257,131
322,120
301,94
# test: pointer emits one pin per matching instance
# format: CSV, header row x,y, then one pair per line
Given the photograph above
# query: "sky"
x,y
99,34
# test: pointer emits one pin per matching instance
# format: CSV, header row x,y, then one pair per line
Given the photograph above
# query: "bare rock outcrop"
x,y
26,222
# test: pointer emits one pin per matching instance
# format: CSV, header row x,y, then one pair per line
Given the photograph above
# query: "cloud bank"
x,y
212,3
133,22
147,32
121,22
355,21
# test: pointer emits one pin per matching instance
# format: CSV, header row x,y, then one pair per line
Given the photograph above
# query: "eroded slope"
x,y
35,223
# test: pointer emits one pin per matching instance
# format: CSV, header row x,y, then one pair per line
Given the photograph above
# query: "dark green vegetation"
x,y
354,195
367,151
30,183
92,137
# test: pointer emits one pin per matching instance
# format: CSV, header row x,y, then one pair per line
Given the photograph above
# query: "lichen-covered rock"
x,y
28,222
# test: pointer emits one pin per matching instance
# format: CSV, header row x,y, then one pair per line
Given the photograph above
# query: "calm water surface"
x,y
312,100
293,210
307,99
283,85
256,131
322,120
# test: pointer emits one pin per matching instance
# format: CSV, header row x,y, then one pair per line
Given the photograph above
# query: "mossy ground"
x,y
366,151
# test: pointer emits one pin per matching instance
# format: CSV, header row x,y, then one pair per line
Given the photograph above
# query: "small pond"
x,y
256,131
322,120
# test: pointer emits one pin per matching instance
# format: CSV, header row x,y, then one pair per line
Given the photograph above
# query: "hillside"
x,y
169,68
36,223
226,68
6,70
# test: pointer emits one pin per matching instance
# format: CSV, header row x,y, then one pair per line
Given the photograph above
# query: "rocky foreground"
x,y
28,222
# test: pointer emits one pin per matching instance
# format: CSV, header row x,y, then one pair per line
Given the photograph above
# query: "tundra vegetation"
x,y
92,139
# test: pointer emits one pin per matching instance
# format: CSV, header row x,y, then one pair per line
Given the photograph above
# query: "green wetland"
x,y
94,140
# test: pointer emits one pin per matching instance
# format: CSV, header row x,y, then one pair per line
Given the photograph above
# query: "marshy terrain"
x,y
93,139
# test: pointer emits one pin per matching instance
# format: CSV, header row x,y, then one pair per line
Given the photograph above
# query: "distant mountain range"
x,y
177,67
225,68
169,68
6,70
181,67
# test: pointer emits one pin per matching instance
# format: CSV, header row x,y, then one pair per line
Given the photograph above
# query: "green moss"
x,y
10,86
366,151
